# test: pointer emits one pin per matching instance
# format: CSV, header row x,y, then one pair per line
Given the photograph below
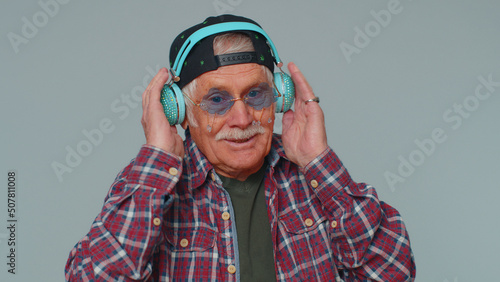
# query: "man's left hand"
x,y
304,133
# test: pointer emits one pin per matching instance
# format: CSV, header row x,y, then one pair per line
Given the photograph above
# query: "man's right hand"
x,y
158,131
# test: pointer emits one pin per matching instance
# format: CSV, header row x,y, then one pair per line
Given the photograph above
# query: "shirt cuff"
x,y
155,168
327,176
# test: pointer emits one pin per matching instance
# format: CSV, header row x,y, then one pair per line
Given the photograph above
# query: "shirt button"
x,y
225,215
309,222
231,269
213,176
184,243
334,224
173,171
314,183
156,221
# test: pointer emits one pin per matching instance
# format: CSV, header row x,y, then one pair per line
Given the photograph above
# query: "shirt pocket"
x,y
184,239
304,237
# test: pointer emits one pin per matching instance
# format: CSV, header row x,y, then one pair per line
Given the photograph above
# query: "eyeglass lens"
x,y
218,102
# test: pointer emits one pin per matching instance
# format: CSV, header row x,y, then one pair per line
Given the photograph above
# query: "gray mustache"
x,y
238,133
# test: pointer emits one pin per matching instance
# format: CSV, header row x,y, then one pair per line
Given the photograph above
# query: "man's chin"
x,y
241,168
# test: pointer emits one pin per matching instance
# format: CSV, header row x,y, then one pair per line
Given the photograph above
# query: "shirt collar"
x,y
276,151
196,165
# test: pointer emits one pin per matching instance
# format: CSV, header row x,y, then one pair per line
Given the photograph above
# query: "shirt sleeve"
x,y
127,232
369,237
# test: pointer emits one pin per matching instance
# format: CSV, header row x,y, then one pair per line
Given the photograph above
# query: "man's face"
x,y
240,157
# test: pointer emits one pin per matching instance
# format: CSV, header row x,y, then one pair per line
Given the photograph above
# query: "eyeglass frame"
x,y
275,90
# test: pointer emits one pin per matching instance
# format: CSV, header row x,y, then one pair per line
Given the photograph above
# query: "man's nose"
x,y
240,114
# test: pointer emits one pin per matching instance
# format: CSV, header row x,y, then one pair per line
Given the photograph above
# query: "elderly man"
x,y
234,201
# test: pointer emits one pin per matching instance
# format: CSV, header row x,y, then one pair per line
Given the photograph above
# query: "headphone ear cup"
x,y
283,82
173,104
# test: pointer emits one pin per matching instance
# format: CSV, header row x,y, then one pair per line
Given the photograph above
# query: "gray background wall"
x,y
399,96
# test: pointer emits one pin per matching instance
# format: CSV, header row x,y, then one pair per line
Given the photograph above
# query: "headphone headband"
x,y
215,29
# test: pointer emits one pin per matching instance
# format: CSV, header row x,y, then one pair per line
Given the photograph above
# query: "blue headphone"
x,y
171,95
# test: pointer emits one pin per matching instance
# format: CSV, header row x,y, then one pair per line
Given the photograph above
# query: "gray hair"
x,y
223,44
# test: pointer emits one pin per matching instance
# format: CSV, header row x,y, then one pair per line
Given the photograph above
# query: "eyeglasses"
x,y
218,102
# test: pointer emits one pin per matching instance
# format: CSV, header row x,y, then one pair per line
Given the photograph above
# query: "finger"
x,y
157,82
303,91
287,119
144,100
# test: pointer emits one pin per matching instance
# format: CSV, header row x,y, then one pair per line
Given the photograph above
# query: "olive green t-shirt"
x,y
252,226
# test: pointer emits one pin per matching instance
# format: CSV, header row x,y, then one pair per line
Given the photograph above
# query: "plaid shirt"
x,y
167,219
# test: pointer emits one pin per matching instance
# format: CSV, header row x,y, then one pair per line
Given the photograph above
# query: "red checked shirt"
x,y
166,219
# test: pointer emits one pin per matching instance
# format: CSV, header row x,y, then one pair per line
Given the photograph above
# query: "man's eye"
x,y
253,94
216,99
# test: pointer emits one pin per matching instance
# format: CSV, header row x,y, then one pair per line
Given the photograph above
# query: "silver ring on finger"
x,y
315,99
